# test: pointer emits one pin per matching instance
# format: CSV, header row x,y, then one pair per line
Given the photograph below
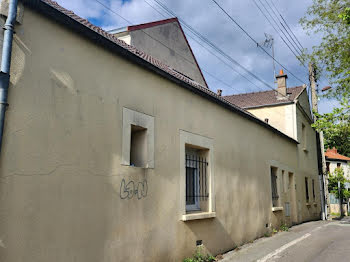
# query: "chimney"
x,y
219,92
281,85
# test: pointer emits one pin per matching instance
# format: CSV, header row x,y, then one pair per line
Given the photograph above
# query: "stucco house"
x,y
286,108
166,41
110,154
335,160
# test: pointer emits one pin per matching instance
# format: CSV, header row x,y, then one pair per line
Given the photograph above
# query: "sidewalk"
x,y
267,248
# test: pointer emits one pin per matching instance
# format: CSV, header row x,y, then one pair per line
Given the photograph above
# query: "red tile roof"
x,y
257,99
151,24
333,154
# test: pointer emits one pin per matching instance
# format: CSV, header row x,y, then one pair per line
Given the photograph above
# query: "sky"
x,y
212,23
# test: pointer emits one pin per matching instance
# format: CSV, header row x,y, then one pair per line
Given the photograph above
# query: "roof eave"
x,y
270,105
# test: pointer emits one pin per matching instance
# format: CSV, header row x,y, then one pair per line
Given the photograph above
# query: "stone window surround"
x,y
286,170
131,117
188,138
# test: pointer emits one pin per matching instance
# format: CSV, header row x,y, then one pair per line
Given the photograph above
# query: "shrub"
x,y
284,227
199,257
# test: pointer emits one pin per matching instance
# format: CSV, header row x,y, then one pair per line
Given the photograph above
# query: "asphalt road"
x,y
313,241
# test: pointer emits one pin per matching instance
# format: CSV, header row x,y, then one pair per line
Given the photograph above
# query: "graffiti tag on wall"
x,y
131,189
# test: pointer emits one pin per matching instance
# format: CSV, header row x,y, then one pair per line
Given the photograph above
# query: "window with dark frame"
x,y
313,190
338,165
274,190
307,190
196,181
327,166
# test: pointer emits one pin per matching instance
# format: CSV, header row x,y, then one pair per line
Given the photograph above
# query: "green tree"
x,y
330,19
333,181
336,127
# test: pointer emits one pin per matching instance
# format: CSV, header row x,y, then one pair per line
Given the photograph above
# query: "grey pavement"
x,y
313,241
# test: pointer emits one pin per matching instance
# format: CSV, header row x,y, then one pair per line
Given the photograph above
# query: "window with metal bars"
x,y
307,190
274,187
196,181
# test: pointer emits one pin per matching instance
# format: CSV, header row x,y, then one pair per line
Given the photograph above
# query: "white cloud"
x,y
210,21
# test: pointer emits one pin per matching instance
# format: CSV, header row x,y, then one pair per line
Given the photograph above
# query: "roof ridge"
x,y
152,24
265,91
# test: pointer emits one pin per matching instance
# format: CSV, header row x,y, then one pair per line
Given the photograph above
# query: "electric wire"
x,y
210,74
295,52
217,49
276,9
273,11
219,80
250,37
274,28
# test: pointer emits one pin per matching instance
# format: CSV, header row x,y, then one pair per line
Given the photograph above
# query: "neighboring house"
x,y
286,109
335,160
109,154
166,41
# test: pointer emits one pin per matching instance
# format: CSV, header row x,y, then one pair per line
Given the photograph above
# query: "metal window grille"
x,y
196,180
307,190
274,189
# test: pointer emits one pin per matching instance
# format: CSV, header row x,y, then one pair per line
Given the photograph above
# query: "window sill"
x,y
308,204
305,150
315,204
275,209
195,216
139,167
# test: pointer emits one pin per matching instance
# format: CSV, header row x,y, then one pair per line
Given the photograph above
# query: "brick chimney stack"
x,y
281,85
219,92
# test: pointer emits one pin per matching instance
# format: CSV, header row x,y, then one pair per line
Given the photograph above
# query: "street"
x,y
313,241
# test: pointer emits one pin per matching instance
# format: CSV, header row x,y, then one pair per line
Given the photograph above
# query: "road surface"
x,y
310,242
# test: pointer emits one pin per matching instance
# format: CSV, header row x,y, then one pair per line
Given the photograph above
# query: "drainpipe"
x,y
6,62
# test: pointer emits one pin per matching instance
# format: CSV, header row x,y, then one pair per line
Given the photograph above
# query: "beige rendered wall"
x,y
167,43
344,165
304,103
281,117
64,193
305,157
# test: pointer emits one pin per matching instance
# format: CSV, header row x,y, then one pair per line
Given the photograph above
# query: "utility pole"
x,y
323,175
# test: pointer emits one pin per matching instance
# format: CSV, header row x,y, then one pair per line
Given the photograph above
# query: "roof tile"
x,y
333,154
256,99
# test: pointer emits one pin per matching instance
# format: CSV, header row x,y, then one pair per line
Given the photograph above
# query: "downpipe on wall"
x,y
6,63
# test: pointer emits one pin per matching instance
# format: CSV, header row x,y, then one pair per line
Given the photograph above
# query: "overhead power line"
x,y
169,13
277,30
280,29
193,64
217,49
219,80
250,37
284,21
